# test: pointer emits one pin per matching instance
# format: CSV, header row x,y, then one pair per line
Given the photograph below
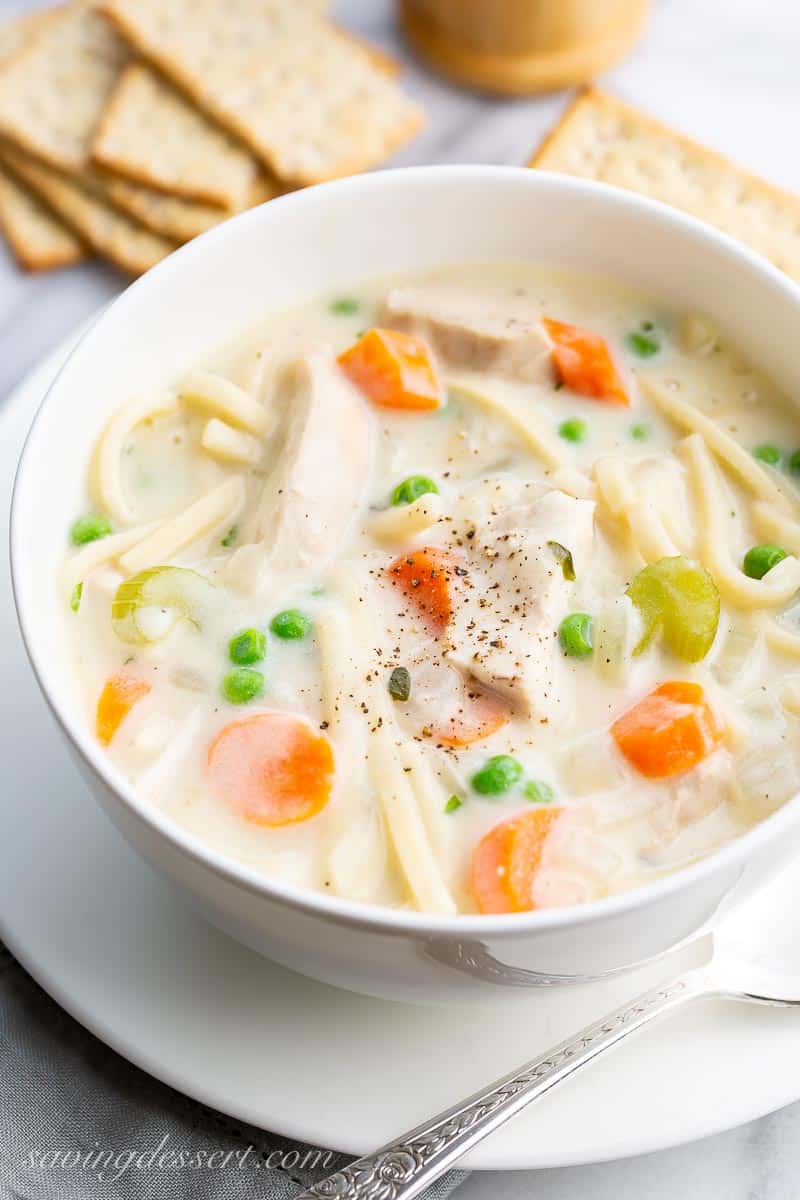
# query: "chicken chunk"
x,y
311,498
477,330
504,632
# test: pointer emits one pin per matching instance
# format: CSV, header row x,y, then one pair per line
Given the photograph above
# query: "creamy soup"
x,y
471,592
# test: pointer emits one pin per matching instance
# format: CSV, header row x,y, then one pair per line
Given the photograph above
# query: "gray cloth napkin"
x,y
78,1122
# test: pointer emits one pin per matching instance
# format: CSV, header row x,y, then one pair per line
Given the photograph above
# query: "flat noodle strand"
x,y
778,587
614,486
107,549
625,502
726,448
399,803
229,445
106,474
780,639
402,521
217,508
536,436
358,850
226,400
431,797
647,528
773,524
407,829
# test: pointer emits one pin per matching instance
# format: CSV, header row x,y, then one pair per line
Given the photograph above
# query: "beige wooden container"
x,y
518,46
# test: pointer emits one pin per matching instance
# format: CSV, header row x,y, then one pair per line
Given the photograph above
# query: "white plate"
x,y
108,940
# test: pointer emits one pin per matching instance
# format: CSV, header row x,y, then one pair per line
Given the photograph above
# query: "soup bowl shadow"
x,y
286,252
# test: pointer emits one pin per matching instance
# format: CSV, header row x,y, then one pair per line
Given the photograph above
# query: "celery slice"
x,y
181,593
677,597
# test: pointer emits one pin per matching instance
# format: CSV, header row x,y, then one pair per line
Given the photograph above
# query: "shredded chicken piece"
x,y
504,631
313,494
473,329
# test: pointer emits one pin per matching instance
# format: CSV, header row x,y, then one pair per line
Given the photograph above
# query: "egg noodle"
x,y
471,592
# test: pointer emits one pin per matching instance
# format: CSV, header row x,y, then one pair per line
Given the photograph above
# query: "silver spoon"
x,y
405,1167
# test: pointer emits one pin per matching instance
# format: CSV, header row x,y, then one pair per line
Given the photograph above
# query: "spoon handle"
x,y
404,1168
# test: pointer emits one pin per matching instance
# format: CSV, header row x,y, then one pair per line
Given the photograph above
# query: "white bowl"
x,y
318,241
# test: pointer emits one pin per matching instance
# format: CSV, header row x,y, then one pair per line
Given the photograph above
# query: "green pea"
x,y
412,488
247,647
75,598
575,635
89,528
538,792
794,463
767,453
230,537
640,433
400,684
344,307
760,559
453,804
574,430
497,776
642,344
291,624
242,685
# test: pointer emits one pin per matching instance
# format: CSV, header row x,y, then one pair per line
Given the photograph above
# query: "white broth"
x,y
471,592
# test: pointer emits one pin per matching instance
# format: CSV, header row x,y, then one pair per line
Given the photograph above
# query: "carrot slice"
x,y
481,715
424,577
584,363
271,769
668,732
507,858
122,690
393,370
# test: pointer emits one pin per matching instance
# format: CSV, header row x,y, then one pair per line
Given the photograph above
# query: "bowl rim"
x,y
337,910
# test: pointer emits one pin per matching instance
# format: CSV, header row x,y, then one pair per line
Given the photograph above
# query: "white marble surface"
x,y
727,72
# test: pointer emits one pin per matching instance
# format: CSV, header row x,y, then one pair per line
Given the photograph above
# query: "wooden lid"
x,y
558,43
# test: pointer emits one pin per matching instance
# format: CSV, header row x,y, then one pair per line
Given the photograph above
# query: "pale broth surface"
x,y
524,468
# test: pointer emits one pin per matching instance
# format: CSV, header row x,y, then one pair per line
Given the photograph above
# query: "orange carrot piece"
x,y
668,732
490,880
122,690
424,577
584,363
481,715
271,769
393,370
507,858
